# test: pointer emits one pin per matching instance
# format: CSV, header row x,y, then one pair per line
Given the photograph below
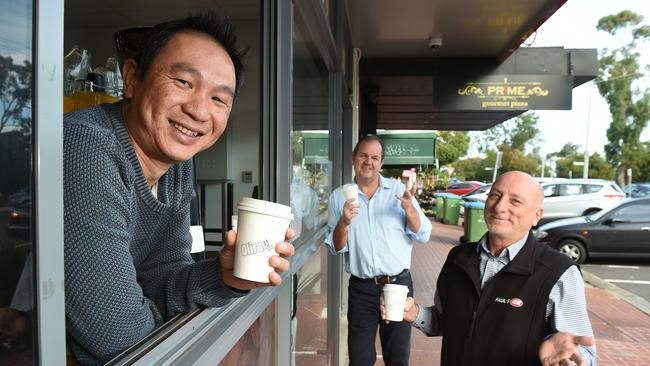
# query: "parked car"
x,y
463,187
620,231
578,197
21,196
19,223
477,195
636,190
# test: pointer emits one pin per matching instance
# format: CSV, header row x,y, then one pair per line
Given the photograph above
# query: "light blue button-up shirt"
x,y
379,239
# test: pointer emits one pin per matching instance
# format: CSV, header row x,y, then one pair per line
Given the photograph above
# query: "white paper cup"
x,y
394,301
260,225
411,181
351,191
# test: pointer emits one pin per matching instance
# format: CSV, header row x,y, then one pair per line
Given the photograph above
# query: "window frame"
x,y
47,38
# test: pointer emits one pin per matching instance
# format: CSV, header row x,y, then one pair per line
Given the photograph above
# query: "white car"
x,y
477,195
578,197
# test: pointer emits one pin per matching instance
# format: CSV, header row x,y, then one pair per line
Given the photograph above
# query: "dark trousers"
x,y
364,317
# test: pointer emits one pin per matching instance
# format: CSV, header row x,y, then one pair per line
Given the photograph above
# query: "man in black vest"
x,y
507,300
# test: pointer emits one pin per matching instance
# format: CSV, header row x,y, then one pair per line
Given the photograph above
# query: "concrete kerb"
x,y
632,299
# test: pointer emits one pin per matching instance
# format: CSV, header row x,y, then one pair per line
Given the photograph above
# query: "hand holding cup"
x,y
253,256
392,302
278,262
351,194
411,310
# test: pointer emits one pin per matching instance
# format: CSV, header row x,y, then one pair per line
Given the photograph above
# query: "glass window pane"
x,y
17,327
570,189
310,321
549,191
633,213
310,136
591,188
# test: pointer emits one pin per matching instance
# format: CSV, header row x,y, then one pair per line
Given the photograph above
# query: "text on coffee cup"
x,y
251,248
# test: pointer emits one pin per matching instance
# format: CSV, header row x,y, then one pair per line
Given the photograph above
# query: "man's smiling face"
x,y
181,106
367,161
513,206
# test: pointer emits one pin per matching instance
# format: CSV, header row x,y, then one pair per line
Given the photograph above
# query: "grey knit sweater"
x,y
127,254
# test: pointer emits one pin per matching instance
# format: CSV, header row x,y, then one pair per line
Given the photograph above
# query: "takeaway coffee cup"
x,y
394,301
351,191
260,225
411,181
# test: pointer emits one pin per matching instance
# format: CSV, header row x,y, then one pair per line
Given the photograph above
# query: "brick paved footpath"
x,y
622,332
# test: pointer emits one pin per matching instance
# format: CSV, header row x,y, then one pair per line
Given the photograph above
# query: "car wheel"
x,y
590,211
574,250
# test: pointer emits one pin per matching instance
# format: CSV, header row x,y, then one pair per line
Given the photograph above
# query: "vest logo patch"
x,y
515,302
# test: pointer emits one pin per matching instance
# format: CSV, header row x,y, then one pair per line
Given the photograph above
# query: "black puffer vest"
x,y
504,323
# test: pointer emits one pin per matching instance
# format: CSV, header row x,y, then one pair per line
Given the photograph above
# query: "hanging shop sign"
x,y
417,148
503,92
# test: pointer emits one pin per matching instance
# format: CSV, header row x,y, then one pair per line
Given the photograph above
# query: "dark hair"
x,y
368,138
212,24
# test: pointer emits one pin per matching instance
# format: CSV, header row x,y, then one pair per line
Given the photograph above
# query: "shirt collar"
x,y
383,182
511,251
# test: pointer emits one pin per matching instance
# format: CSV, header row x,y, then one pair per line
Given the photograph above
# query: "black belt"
x,y
382,280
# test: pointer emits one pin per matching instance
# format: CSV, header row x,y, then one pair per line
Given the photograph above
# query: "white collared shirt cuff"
x,y
424,320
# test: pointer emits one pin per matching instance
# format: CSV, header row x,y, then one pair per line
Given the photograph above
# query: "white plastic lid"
x,y
265,207
395,287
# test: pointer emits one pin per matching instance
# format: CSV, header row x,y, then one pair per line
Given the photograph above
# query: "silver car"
x,y
578,197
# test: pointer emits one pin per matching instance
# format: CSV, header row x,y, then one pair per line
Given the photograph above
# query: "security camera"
x,y
435,43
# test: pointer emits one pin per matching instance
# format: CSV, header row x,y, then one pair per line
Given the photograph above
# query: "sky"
x,y
15,30
574,26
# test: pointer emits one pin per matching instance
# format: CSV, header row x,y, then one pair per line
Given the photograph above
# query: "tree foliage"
x,y
512,159
570,153
474,169
512,138
628,105
15,92
515,159
451,145
518,133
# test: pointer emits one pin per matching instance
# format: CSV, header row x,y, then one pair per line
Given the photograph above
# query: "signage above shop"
x,y
415,148
409,149
503,92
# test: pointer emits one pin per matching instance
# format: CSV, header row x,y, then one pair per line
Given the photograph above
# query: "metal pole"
x,y
585,170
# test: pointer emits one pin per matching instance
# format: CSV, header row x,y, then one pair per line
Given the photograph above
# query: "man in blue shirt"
x,y
376,236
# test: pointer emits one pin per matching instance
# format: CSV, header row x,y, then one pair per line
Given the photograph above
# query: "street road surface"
x,y
630,275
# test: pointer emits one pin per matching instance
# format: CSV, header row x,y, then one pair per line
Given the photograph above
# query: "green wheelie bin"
x,y
440,206
452,209
475,226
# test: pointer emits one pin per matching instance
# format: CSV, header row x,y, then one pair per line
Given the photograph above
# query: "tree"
x,y
451,145
518,133
515,159
599,167
628,105
474,169
567,150
569,153
15,92
642,174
